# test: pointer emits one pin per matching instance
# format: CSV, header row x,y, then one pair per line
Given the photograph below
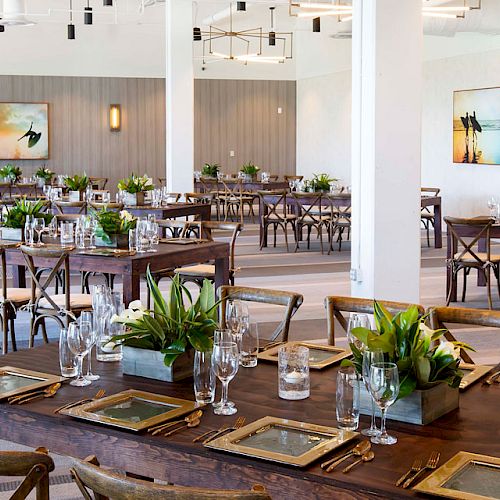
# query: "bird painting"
x,y
33,137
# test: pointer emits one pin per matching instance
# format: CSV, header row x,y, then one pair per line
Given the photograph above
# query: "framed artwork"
x,y
24,131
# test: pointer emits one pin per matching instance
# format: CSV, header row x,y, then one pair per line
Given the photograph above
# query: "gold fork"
x,y
417,465
100,394
240,422
430,465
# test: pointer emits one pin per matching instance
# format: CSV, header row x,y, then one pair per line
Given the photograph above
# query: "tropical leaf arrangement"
x,y
407,341
111,222
250,169
16,216
77,182
210,169
321,182
11,172
44,173
174,325
135,184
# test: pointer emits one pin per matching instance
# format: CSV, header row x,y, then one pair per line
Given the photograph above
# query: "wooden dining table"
x,y
474,427
200,211
248,187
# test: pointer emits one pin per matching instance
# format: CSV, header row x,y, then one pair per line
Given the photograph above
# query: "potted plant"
x,y
44,176
210,170
11,173
321,183
429,372
113,227
160,343
250,171
134,189
76,186
13,228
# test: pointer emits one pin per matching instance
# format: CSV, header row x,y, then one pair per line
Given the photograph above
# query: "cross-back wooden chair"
x,y
336,306
162,181
275,210
337,218
441,317
173,228
426,214
98,183
106,484
34,465
63,207
212,186
62,308
289,300
465,254
309,214
11,300
172,197
205,198
234,201
289,178
24,189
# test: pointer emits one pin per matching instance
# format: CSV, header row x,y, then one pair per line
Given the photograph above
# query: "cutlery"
x,y
156,429
100,394
49,392
211,431
359,450
270,345
192,423
494,374
367,457
417,465
215,433
430,465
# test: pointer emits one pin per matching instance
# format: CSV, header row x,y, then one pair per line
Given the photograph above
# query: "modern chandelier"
x,y
244,45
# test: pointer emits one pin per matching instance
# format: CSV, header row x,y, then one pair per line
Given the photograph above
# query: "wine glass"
x,y
39,226
384,388
106,198
357,321
225,360
87,317
370,357
236,312
493,206
80,340
91,224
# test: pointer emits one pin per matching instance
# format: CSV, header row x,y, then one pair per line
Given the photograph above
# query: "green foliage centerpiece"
x,y
321,182
133,188
113,227
11,173
210,170
44,175
15,219
250,170
76,186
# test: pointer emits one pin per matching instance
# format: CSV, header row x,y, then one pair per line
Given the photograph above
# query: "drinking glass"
x,y
132,237
293,372
225,358
28,231
79,234
39,226
151,233
204,377
67,360
357,321
370,357
249,345
236,314
47,188
66,234
493,206
384,388
106,198
91,225
347,398
79,341
87,317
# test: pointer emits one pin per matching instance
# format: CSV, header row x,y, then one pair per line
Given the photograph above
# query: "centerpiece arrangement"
x,y
76,186
250,171
210,170
11,173
113,228
15,220
44,176
321,183
160,343
134,188
429,371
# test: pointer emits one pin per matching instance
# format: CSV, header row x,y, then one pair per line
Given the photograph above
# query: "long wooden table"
x,y
132,267
253,186
201,211
474,428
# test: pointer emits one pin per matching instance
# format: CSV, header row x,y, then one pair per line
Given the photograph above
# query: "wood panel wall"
x,y
242,116
80,139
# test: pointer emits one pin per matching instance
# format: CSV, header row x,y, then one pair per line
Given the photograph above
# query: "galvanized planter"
x,y
133,199
420,407
75,196
13,234
117,241
149,364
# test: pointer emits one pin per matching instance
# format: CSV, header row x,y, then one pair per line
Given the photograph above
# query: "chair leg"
x,y
12,333
44,331
286,236
453,283
428,235
309,228
5,344
464,289
33,332
320,231
275,228
488,284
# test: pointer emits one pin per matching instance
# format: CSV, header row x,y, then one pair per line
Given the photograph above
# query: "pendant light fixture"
x,y
241,6
107,3
196,34
87,16
316,25
71,26
2,28
272,33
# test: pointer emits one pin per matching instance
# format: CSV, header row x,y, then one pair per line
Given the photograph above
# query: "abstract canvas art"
x,y
24,131
476,126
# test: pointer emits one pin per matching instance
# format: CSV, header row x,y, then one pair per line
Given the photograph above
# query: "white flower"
x,y
127,315
136,305
446,348
426,335
126,216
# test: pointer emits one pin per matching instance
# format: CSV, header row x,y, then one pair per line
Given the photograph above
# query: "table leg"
x,y
19,276
481,278
221,271
131,288
262,230
438,232
450,283
206,212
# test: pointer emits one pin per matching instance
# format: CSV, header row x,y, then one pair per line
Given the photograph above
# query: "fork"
x,y
430,465
417,465
240,422
100,394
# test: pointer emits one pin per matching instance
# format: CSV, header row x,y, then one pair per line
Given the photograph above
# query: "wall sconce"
x,y
115,117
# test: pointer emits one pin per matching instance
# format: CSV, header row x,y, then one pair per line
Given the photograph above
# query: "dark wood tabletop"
x,y
200,211
474,428
253,186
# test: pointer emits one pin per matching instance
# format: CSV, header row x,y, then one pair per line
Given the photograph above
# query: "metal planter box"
x,y
75,196
117,241
420,407
13,234
149,364
134,199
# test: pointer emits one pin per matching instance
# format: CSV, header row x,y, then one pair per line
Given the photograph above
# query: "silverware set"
x,y
362,451
100,394
272,344
191,420
417,469
48,392
215,433
494,378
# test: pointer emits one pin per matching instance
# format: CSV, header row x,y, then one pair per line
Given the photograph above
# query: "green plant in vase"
x,y
11,173
321,182
134,184
250,170
210,170
44,175
77,182
111,223
16,216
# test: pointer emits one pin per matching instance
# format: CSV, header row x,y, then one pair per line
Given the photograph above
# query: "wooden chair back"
x,y
209,227
34,465
204,198
172,197
273,178
430,191
210,185
439,317
333,204
174,228
98,183
335,306
310,205
62,206
289,178
290,300
162,181
274,202
106,484
67,218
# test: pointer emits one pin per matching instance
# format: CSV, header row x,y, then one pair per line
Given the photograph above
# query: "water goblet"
x,y
370,357
39,226
79,341
225,360
87,317
106,198
357,321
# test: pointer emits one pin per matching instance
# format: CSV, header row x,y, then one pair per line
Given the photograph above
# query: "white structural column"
x,y
180,96
386,140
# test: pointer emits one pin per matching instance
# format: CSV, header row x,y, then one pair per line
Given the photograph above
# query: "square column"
x,y
179,96
386,148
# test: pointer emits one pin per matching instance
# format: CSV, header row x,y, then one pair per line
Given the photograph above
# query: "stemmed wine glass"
x,y
91,224
370,357
493,206
357,321
39,226
87,317
225,361
106,198
384,388
80,340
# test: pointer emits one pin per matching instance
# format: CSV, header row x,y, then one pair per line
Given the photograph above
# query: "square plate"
x,y
108,252
183,241
465,476
320,356
284,441
132,410
472,373
15,381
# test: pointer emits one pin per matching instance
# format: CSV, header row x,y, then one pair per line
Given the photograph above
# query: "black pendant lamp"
x,y
71,26
87,16
196,34
107,3
272,33
241,6
2,28
316,25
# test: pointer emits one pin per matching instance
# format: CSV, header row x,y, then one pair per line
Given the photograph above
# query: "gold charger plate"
x,y
472,373
285,441
466,476
15,381
183,241
132,410
320,356
108,252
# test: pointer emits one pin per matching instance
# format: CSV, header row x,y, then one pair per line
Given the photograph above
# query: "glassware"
x,y
105,304
53,227
384,388
87,317
106,198
293,372
39,226
29,235
79,341
347,398
132,236
67,238
204,377
225,356
46,190
67,360
79,234
249,345
236,314
357,321
151,232
91,226
141,237
493,206
370,357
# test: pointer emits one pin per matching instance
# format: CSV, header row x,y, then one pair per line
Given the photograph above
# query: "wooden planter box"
x,y
149,364
117,241
420,407
13,234
133,199
75,195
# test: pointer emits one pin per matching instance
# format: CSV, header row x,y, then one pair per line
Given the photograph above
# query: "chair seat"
x,y
201,270
482,255
425,215
288,217
19,295
77,301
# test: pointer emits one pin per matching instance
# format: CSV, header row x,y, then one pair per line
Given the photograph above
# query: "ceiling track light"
x,y
71,26
87,16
